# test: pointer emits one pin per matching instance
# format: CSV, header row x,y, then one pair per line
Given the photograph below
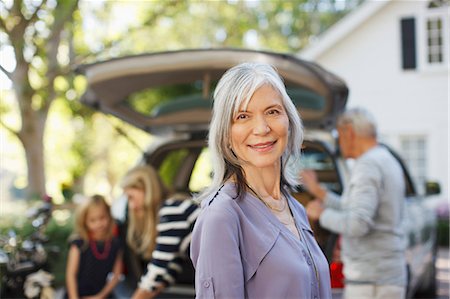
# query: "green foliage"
x,y
277,25
168,169
145,101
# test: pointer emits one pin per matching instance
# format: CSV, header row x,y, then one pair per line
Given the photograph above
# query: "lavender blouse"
x,y
241,250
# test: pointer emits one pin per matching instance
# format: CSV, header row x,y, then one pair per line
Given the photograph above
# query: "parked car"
x,y
168,94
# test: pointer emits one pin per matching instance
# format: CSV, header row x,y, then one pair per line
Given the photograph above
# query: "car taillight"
x,y
336,267
337,277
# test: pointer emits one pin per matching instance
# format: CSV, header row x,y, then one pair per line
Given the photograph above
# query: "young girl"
x,y
94,252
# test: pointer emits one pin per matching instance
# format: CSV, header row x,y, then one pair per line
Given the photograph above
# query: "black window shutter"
x,y
408,31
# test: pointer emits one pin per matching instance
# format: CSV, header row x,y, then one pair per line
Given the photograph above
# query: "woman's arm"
x,y
216,255
174,234
146,294
73,260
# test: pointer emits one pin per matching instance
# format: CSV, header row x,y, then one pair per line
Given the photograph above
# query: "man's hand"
x,y
314,209
309,179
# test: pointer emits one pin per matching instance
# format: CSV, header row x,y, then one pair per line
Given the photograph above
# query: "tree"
x,y
277,25
39,33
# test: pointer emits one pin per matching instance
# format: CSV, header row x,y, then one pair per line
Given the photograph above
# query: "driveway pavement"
x,y
443,273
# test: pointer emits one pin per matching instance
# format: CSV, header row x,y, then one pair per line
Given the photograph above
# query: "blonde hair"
x,y
80,228
235,88
141,234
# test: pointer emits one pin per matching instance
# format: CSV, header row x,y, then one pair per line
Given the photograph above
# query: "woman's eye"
x,y
273,112
241,116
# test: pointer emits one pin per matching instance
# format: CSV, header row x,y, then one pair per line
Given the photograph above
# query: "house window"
x,y
414,153
434,40
437,3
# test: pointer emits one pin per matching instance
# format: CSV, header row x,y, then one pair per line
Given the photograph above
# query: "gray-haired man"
x,y
368,215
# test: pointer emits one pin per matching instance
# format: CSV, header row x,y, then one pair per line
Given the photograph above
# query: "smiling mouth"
x,y
263,146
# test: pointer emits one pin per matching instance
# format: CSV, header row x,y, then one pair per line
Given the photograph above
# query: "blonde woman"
x,y
94,252
156,232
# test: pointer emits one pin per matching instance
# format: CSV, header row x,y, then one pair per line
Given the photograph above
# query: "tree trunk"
x,y
32,140
32,131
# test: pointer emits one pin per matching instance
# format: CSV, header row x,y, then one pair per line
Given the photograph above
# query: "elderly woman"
x,y
252,238
156,233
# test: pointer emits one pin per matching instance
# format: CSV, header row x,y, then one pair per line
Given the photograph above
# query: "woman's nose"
x,y
261,126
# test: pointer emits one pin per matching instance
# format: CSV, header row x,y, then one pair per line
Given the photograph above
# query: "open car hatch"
x,y
173,90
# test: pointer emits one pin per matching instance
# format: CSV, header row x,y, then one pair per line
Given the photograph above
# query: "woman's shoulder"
x,y
221,205
179,199
178,209
224,195
180,203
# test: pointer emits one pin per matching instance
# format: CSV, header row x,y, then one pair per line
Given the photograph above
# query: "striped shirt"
x,y
176,221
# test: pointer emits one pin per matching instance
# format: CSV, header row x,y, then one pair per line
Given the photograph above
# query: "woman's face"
x,y
136,200
259,135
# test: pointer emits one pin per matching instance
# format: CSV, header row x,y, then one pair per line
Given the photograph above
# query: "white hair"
x,y
233,91
361,120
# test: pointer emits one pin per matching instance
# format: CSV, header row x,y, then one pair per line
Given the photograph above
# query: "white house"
x,y
395,57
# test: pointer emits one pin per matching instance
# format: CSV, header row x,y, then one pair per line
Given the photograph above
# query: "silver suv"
x,y
168,94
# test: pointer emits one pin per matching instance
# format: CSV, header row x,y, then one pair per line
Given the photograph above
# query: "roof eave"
x,y
341,29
